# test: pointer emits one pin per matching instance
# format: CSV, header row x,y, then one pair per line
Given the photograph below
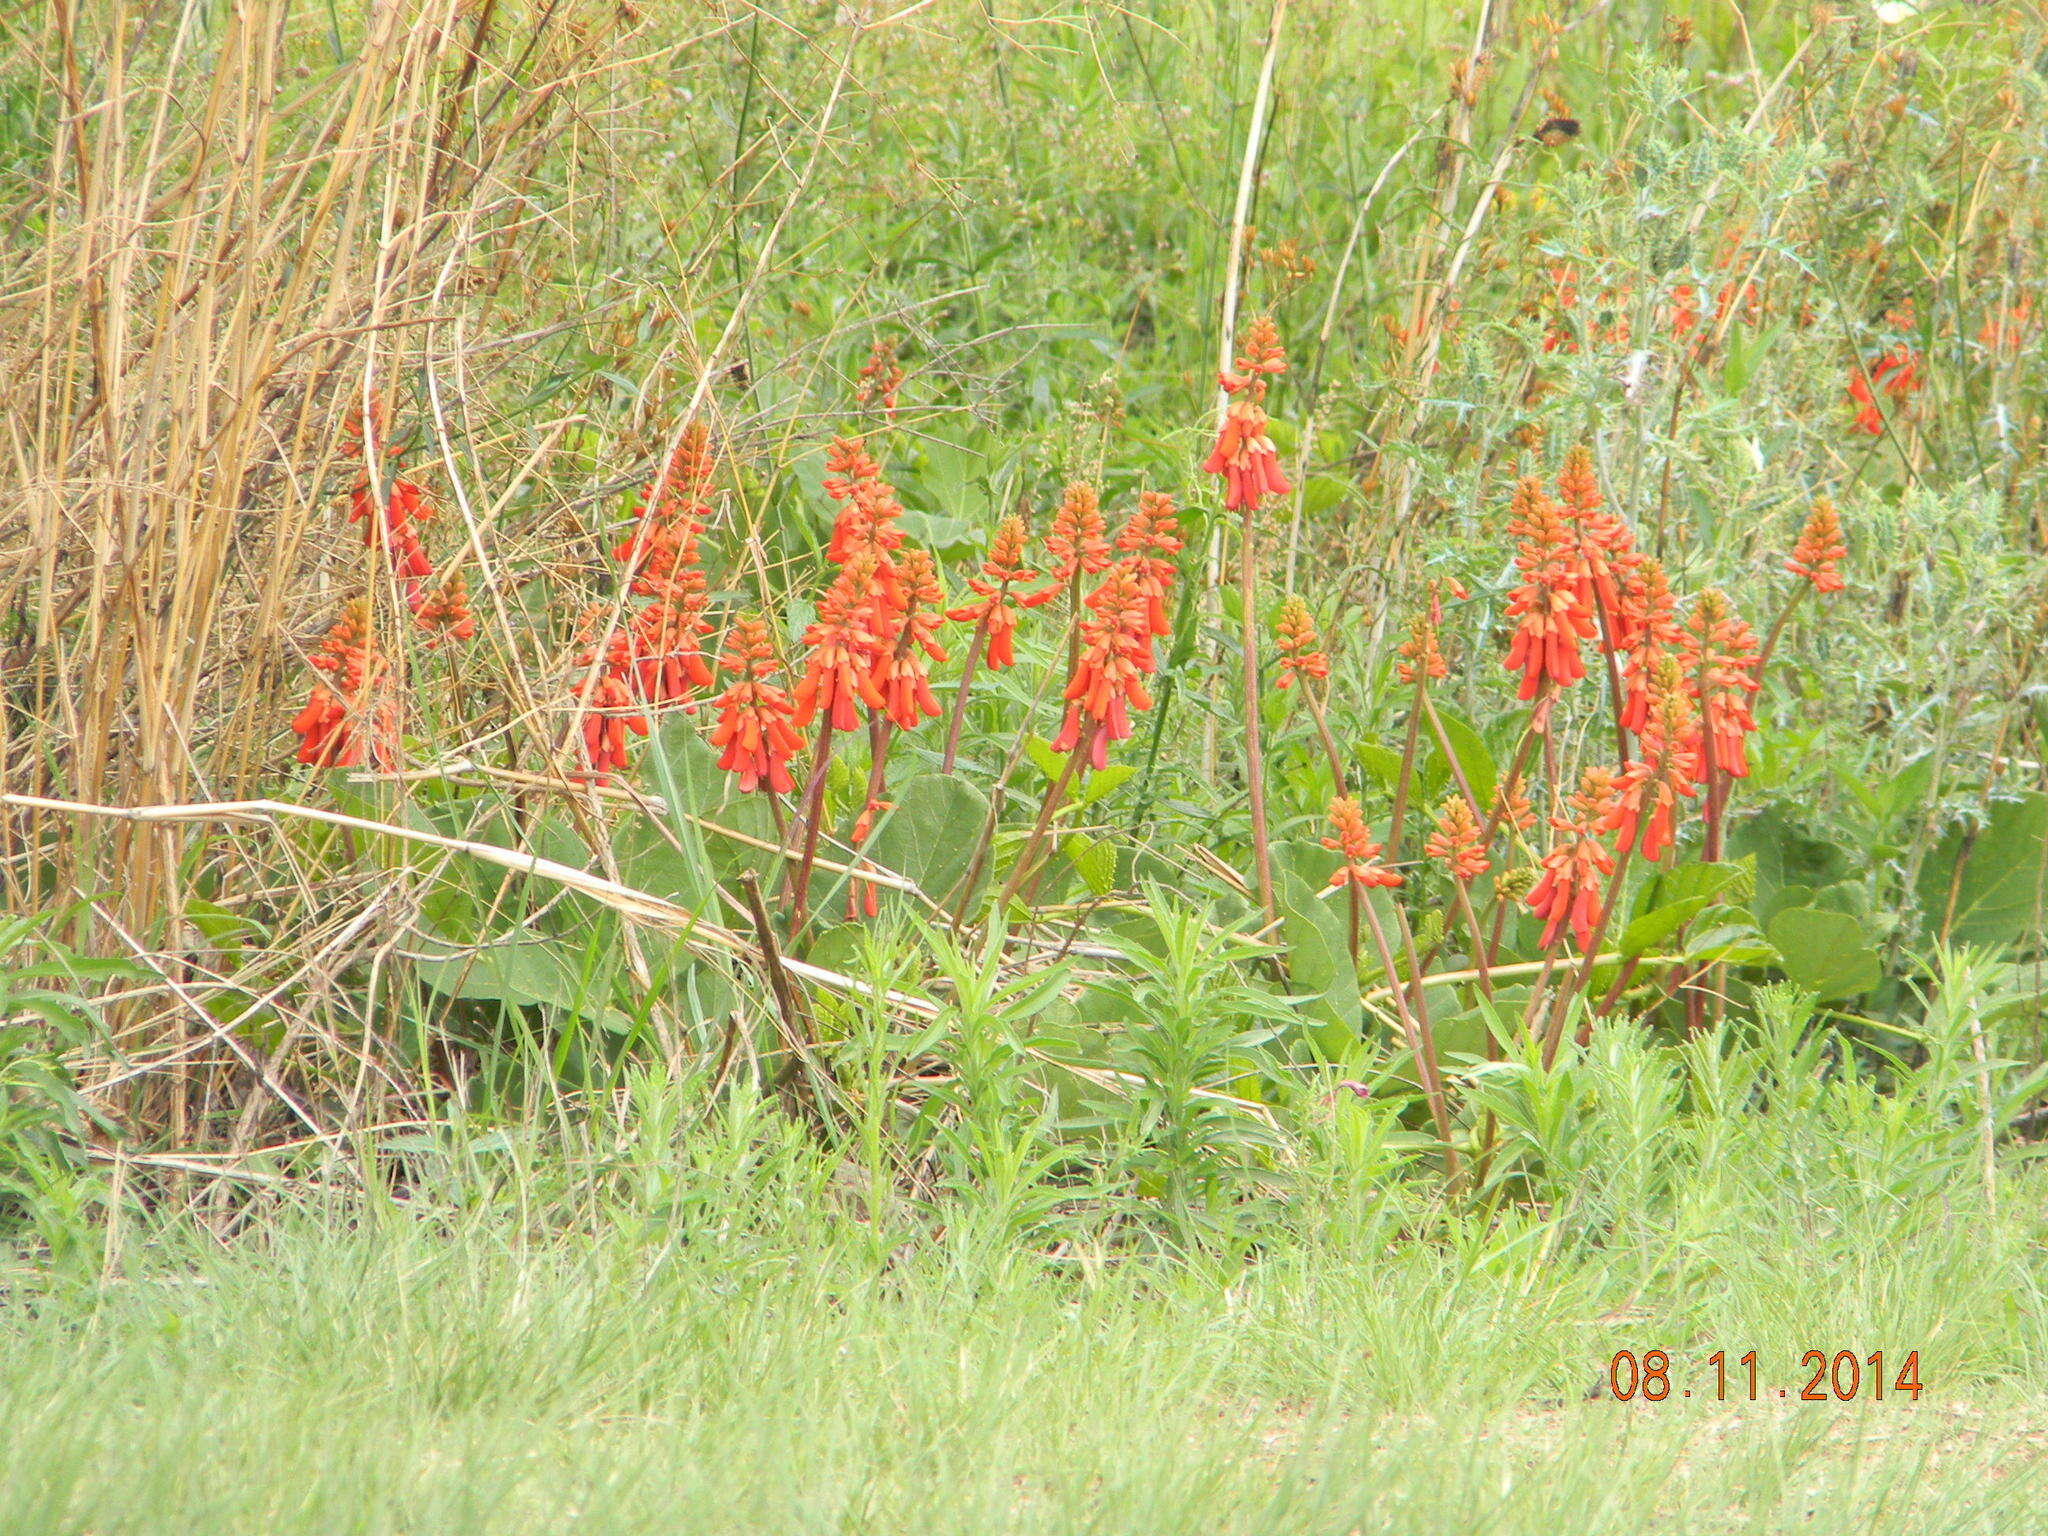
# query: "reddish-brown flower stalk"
x,y
1570,889
881,376
1150,540
994,617
355,705
1245,457
1300,647
1554,617
1894,373
445,615
1647,794
1455,842
1108,680
753,731
1817,557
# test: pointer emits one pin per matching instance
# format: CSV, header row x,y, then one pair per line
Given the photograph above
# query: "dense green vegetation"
x,y
1248,1065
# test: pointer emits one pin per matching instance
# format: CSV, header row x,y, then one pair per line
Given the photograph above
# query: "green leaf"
x,y
1048,762
1319,963
1094,859
1103,781
1478,765
932,834
1380,762
1825,953
1993,873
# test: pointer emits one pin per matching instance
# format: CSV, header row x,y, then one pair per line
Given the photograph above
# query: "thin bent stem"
x,y
1254,755
1419,1043
1015,885
960,697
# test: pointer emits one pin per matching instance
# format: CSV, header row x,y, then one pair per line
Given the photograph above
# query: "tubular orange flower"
x,y
840,674
866,523
1720,668
609,713
1895,373
1352,838
1648,619
1455,842
355,704
1648,792
1817,556
1604,546
1570,890
1300,652
1553,617
999,606
446,614
1244,455
668,653
1076,540
1109,676
394,531
753,733
902,671
1150,540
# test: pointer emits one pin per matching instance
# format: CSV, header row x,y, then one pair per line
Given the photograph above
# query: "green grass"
x,y
716,1333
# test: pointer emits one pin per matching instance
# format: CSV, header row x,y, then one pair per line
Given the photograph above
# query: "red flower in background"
x,y
1896,375
1423,649
881,376
1244,454
1109,677
446,615
1649,618
609,712
1570,891
1818,555
394,531
1604,547
1300,647
753,732
866,521
1352,838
